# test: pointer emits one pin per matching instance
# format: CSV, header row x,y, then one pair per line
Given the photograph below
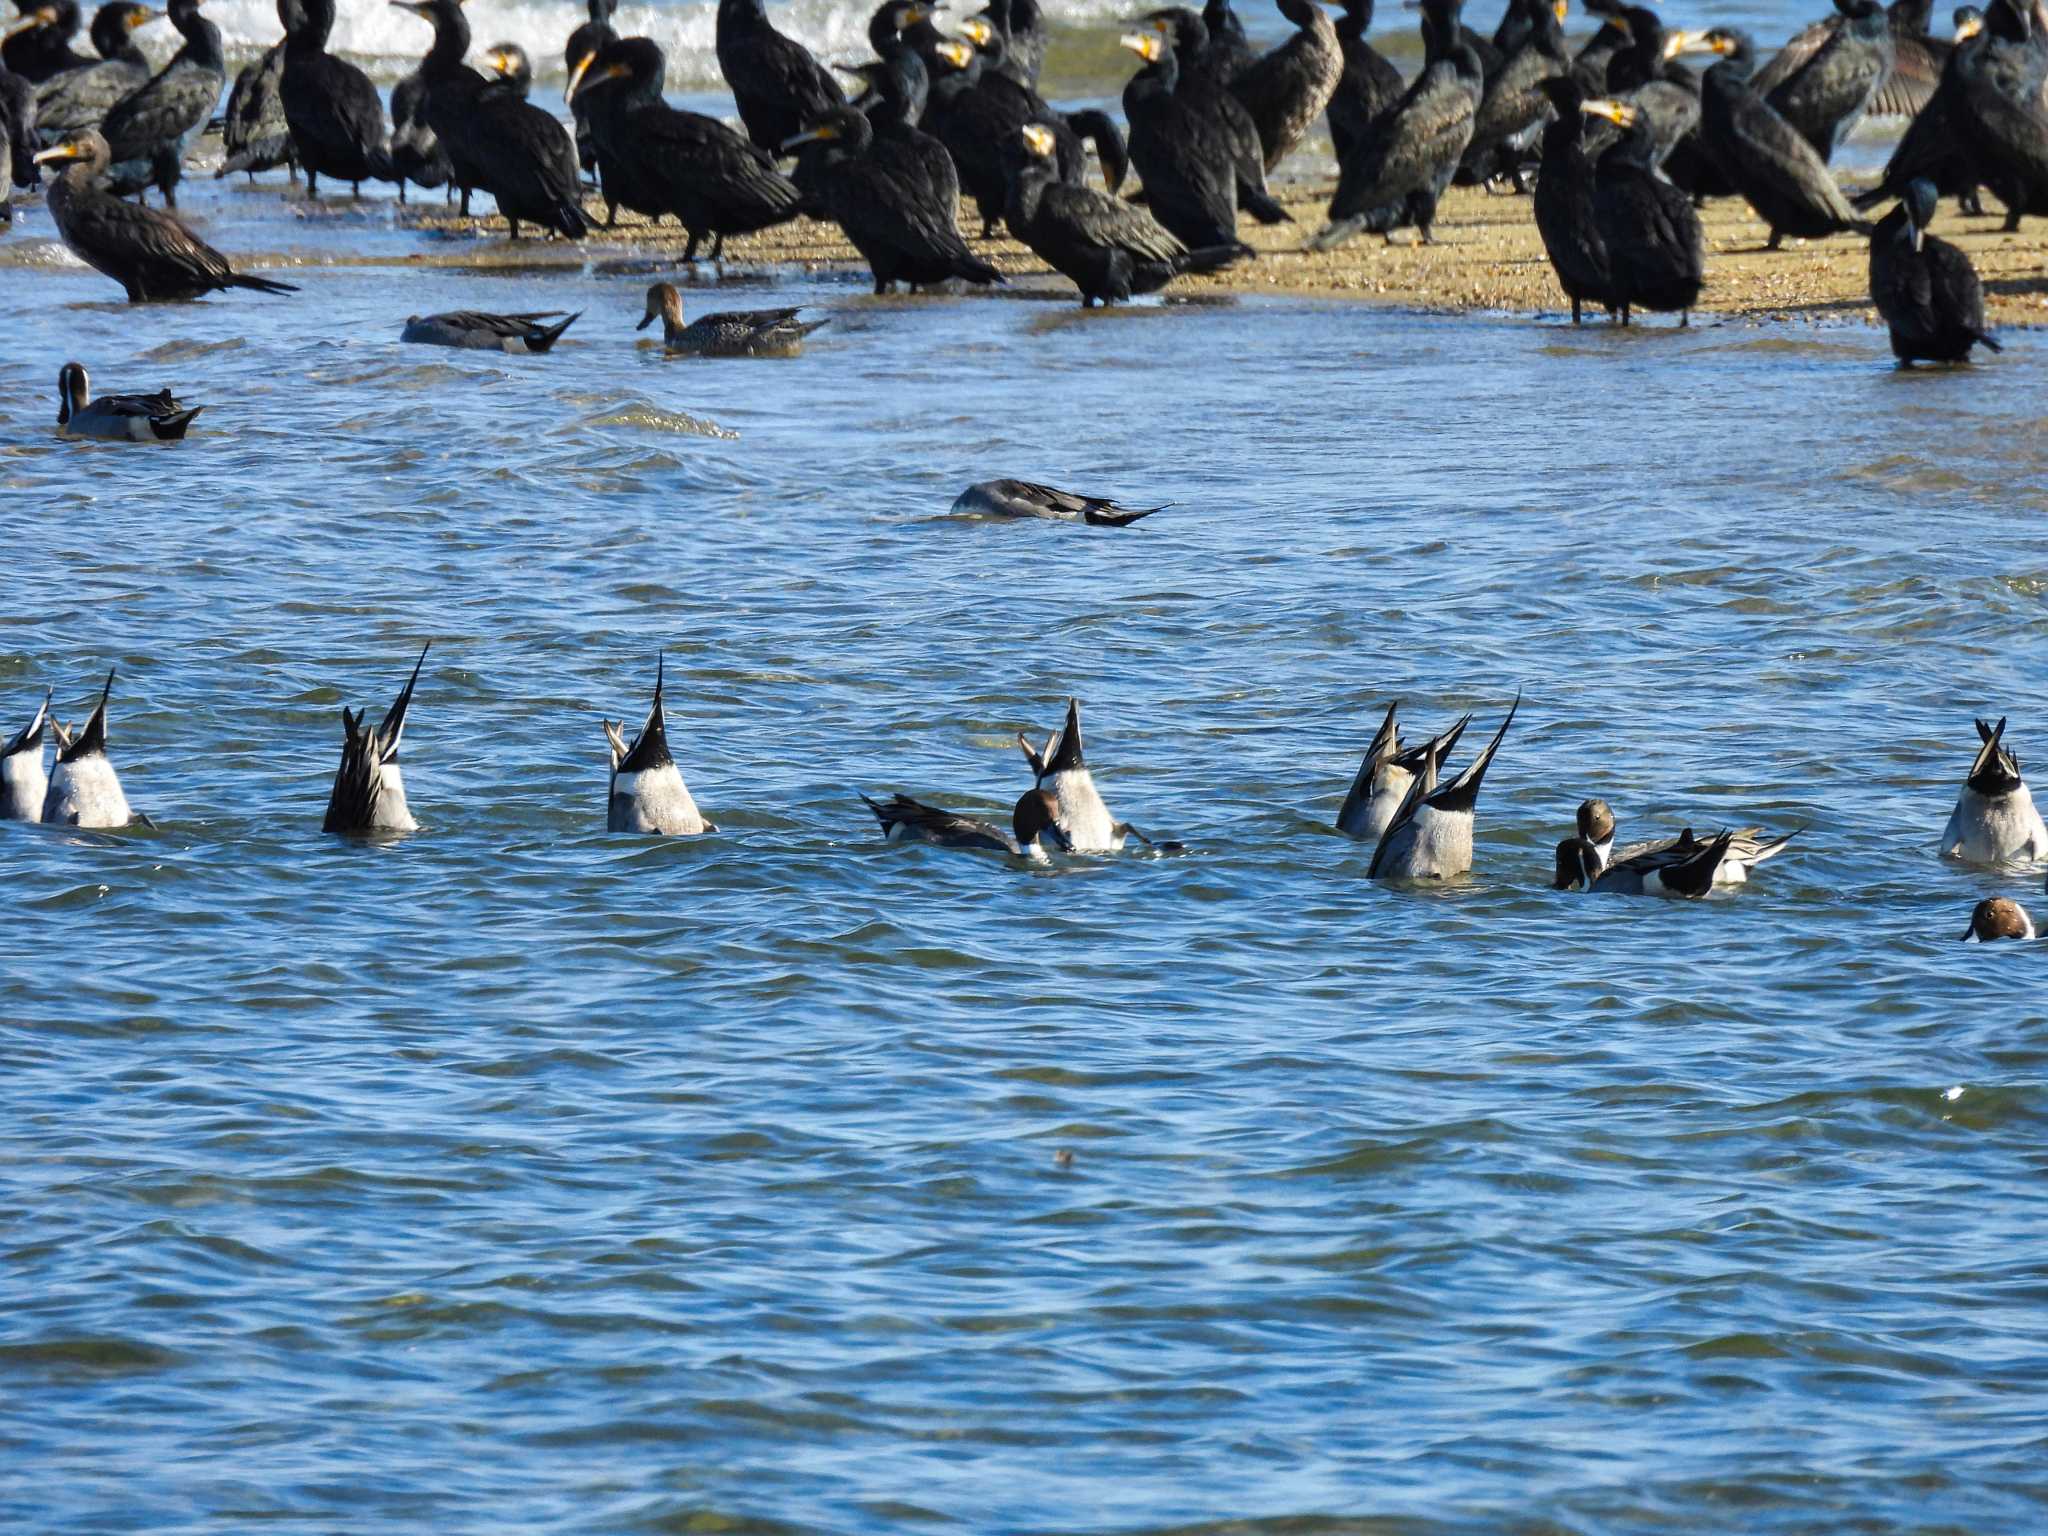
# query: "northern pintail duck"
x,y
477,331
369,789
1033,823
1747,848
84,790
1062,769
1430,837
648,794
1385,773
156,418
1998,918
735,333
1994,819
1027,498
1682,866
23,780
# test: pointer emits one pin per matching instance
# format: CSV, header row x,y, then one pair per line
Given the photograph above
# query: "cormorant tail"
x,y
1209,257
260,284
1989,341
974,270
1334,234
1259,203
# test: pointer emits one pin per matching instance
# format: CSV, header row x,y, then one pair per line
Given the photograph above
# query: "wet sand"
x,y
1488,256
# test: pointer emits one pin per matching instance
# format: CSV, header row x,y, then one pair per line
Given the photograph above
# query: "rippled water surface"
x,y
515,1177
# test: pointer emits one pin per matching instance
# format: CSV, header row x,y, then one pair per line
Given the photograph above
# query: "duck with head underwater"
x,y
369,789
1994,821
1430,837
1033,823
1061,770
84,790
647,793
23,779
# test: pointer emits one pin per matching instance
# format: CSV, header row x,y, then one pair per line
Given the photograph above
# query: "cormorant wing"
x,y
1797,53
1917,63
1111,221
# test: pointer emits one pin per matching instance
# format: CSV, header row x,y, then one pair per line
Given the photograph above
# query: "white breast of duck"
x,y
1367,817
654,801
86,792
1435,845
388,809
1083,817
1992,829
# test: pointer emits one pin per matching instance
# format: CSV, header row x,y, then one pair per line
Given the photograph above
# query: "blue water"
x,y
516,1177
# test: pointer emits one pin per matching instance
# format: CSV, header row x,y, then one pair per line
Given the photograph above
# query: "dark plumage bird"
x,y
39,45
1178,150
78,99
730,333
1027,498
1228,52
779,88
336,121
1394,176
1777,172
1287,89
494,139
658,159
149,130
1204,87
255,132
1664,91
416,154
889,213
369,788
1656,256
1935,146
1109,248
1512,106
2003,99
477,331
1369,85
896,88
586,40
146,251
1564,203
1022,31
1590,64
1825,79
19,140
904,820
156,418
1925,288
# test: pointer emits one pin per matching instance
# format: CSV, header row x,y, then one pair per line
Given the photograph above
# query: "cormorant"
x,y
1564,203
1925,288
587,39
1512,109
1179,152
1204,87
731,333
1369,85
156,418
896,89
369,789
336,121
146,251
1933,145
1777,172
779,88
510,148
476,331
1023,49
626,177
79,99
1825,79
1661,89
894,219
18,138
1228,52
1109,248
416,155
684,163
1287,89
1591,62
1395,174
2003,78
39,45
149,130
255,133
1656,257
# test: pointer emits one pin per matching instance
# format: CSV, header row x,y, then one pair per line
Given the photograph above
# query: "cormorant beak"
x,y
1690,42
42,18
978,31
65,151
576,74
1563,9
1617,112
919,13
957,54
824,134
1146,45
140,19
496,63
1968,29
1038,138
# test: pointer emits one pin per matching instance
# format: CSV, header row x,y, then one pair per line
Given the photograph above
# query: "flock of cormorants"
x,y
1623,139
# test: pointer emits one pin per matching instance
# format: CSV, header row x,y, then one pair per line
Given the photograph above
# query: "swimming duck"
x,y
369,790
1036,817
1385,774
476,331
84,790
2000,917
1683,867
1747,848
1026,498
154,418
1430,837
648,794
1082,817
1994,819
735,333
23,780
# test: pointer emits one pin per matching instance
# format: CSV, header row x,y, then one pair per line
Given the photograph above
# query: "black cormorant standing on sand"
x,y
1656,257
18,138
1825,79
1369,85
2003,75
336,120
894,219
1228,52
149,130
671,161
416,154
78,99
1924,287
1564,203
896,89
145,250
1777,172
1182,158
1512,109
1286,90
1202,86
1394,176
779,88
254,130
1108,247
1933,145
587,39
